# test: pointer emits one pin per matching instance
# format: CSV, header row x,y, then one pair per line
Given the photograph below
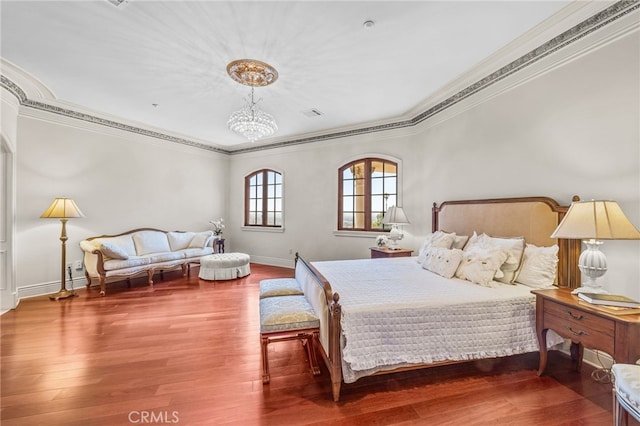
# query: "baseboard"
x,y
593,357
41,289
274,261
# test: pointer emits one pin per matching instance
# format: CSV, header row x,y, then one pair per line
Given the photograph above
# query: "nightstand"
x,y
381,252
586,326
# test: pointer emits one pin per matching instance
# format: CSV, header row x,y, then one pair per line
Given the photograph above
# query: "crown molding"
x,y
31,93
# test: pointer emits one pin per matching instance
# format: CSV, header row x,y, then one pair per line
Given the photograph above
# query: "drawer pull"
x,y
578,333
575,317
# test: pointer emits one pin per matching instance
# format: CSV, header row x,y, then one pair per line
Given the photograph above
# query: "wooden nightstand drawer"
x,y
592,332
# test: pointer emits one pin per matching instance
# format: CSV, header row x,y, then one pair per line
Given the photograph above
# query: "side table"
x,y
382,252
220,244
586,326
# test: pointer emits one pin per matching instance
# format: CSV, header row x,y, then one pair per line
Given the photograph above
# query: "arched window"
x,y
367,188
263,199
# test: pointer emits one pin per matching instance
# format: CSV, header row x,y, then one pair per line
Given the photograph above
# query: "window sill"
x,y
276,230
358,234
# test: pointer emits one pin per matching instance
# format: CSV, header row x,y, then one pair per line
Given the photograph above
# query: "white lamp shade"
x,y
395,216
599,220
62,208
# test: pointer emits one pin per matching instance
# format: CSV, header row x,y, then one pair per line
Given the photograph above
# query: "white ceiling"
x,y
122,60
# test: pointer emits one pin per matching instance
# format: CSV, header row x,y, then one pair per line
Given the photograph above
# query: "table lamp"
x,y
395,216
594,221
63,209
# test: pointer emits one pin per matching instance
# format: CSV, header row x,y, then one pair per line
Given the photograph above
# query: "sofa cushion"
x,y
113,251
180,240
132,261
164,257
201,239
124,242
151,242
196,252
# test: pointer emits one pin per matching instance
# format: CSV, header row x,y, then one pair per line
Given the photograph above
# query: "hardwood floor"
x,y
188,352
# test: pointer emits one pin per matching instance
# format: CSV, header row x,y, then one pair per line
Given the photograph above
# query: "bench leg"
x,y
265,360
310,343
150,276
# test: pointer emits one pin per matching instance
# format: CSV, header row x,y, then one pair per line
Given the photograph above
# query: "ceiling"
x,y
162,64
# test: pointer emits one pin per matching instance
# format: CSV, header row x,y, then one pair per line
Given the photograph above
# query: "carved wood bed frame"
x,y
534,218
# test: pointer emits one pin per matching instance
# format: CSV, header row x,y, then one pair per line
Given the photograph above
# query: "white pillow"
x,y
442,261
514,247
180,240
113,251
201,239
436,239
148,242
459,240
539,266
480,265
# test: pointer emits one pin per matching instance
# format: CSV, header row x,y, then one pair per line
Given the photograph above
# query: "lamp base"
x,y
589,289
62,294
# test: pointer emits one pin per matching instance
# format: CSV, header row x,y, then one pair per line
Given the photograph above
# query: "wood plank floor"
x,y
187,352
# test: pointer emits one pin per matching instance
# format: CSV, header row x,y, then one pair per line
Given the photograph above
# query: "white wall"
x,y
120,181
565,130
571,130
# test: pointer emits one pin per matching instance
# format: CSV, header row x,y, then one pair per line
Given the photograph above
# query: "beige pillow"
x,y
201,239
436,239
442,261
113,251
539,266
514,247
480,265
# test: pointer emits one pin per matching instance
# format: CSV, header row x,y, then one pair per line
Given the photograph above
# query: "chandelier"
x,y
250,121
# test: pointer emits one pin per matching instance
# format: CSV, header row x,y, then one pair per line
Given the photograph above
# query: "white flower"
x,y
381,240
218,226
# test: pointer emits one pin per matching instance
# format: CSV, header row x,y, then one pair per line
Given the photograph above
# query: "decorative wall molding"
x,y
599,20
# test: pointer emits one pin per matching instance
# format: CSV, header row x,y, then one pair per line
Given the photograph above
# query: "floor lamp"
x,y
63,209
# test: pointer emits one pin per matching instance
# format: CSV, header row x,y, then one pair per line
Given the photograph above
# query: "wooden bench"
x,y
287,317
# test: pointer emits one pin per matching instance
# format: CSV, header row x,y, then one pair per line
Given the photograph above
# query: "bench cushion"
x,y
280,287
282,313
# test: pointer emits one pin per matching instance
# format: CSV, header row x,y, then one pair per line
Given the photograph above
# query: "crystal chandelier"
x,y
250,121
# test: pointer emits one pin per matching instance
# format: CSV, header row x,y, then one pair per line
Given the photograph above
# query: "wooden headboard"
x,y
534,218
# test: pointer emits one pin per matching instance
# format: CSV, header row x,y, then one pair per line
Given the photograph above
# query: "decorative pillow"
x,y
442,261
201,239
458,241
480,265
113,251
148,242
539,266
436,239
514,248
180,240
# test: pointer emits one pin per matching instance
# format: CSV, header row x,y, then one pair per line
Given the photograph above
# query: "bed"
x,y
382,316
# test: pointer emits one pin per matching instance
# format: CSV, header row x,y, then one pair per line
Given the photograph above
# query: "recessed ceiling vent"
x,y
312,113
117,3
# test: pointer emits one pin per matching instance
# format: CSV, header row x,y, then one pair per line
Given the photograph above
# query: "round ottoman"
x,y
224,266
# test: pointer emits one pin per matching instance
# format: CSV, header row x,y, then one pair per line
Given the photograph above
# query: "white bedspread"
x,y
396,313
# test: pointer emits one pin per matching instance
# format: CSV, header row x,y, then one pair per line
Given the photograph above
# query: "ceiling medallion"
x,y
251,72
250,121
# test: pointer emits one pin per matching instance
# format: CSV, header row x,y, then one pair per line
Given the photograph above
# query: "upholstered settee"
x,y
142,251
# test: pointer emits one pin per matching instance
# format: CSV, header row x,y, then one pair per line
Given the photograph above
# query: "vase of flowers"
x,y
381,240
218,227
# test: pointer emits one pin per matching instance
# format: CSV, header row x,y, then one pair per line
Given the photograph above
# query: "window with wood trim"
x,y
367,188
263,199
